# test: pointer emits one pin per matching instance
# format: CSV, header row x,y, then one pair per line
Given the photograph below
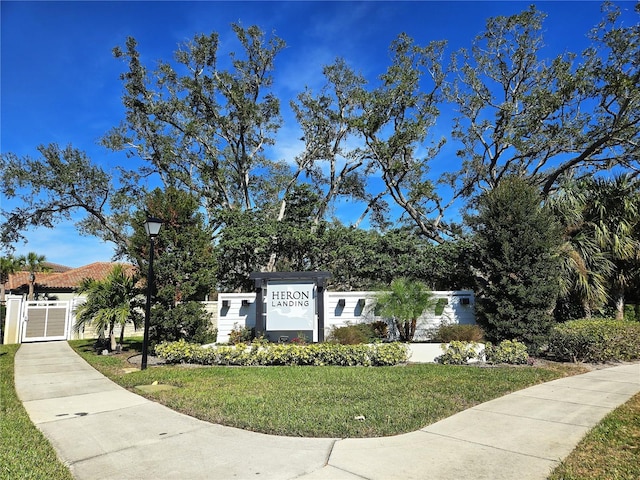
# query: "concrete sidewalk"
x,y
103,431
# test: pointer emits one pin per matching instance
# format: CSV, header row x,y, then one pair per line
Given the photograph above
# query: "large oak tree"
x,y
203,123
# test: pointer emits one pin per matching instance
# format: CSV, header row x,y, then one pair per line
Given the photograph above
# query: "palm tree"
x,y
33,263
404,304
613,211
601,247
113,301
8,266
585,267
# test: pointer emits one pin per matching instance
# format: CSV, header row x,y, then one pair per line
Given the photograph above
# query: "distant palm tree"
x,y
113,301
33,263
404,304
8,266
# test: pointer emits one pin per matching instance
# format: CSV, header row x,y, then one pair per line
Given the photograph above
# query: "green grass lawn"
x,y
25,453
323,401
611,451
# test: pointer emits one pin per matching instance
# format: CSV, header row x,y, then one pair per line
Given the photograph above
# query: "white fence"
x,y
28,321
36,321
342,308
239,309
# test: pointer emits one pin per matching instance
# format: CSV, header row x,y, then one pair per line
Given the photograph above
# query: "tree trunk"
x,y
412,331
271,266
112,338
401,330
620,306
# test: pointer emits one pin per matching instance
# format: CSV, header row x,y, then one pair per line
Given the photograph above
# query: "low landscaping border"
x,y
332,354
595,340
262,353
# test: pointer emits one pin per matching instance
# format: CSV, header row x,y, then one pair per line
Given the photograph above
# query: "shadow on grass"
x,y
132,345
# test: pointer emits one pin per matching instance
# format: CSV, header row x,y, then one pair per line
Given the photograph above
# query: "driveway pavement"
x,y
103,431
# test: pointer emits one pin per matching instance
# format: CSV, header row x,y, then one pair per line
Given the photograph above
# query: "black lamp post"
x,y
152,227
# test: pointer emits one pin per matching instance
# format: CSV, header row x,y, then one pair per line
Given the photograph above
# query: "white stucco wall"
x,y
235,309
229,310
357,308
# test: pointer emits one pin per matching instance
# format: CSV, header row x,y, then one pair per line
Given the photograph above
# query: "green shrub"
x,y
388,354
353,334
458,353
188,321
380,329
380,354
176,352
211,336
240,334
632,313
507,351
595,340
459,333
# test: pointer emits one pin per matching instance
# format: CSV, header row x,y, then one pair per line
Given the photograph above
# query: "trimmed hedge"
x,y
318,354
359,333
595,340
458,333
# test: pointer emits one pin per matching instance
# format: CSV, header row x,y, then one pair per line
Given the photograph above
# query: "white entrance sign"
x,y
290,305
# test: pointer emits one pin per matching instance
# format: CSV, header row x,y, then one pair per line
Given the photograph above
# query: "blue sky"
x,y
60,82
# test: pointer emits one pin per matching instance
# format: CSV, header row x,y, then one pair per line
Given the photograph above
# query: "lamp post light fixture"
x,y
152,227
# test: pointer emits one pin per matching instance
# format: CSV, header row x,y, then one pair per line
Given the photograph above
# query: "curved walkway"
x,y
103,431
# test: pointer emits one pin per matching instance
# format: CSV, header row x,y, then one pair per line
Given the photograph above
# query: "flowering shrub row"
x,y
381,354
507,351
595,340
458,353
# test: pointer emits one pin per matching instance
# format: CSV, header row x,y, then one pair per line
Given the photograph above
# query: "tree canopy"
x,y
522,114
204,125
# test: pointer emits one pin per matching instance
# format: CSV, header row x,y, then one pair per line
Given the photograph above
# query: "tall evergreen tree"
x,y
184,265
516,263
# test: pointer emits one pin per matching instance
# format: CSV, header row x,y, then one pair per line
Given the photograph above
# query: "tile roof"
x,y
57,268
65,279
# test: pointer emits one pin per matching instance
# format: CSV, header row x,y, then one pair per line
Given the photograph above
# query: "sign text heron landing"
x,y
291,305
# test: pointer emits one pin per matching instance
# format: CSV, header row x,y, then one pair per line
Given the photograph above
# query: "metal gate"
x,y
45,320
